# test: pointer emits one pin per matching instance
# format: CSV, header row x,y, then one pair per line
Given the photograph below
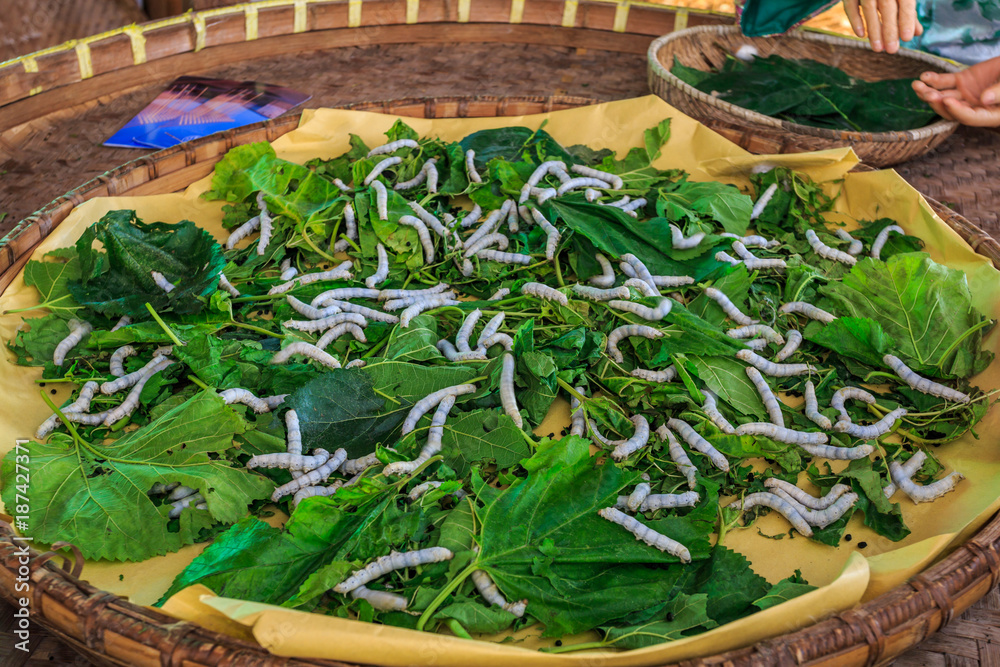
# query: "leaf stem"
x,y
72,429
445,592
585,646
198,382
251,327
386,396
163,325
951,348
308,239
571,390
457,629
559,276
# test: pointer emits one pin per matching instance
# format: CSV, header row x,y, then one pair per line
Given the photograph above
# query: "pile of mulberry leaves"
x,y
532,497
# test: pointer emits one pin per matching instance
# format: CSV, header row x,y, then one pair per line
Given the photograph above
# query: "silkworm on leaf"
x,y
856,246
628,331
432,176
470,167
765,264
842,395
507,396
500,294
431,447
344,293
681,243
336,332
807,309
420,489
123,322
870,431
542,195
86,418
778,504
392,147
180,505
922,384
659,501
882,237
359,465
763,201
642,287
543,169
641,272
403,293
380,600
645,312
381,200
224,284
838,453
483,242
382,272
755,241
427,304
117,361
825,251
614,181
492,327
741,251
365,312
380,167
159,488
754,330
926,493
711,408
488,226
77,330
646,534
309,311
803,497
552,242
909,467
632,206
451,354
306,350
293,435
512,225
405,302
771,403
488,589
794,340
394,561
591,195
541,291
126,381
290,461
698,443
356,363
672,281
421,407
668,374
341,185
340,272
498,339
582,182
601,440
274,401
464,331
81,404
243,231
350,229
812,408
429,219
638,440
782,434
598,294
607,277
266,225
679,456
311,478
425,236
490,255
472,217
131,401
821,518
728,307
314,491
771,368
244,397
726,258
757,344
325,323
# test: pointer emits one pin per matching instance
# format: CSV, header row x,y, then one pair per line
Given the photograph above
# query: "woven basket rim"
x,y
656,67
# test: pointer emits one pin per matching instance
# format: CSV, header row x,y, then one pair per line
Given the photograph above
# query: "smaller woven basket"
x,y
706,47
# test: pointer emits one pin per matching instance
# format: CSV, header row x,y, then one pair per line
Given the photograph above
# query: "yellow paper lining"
x,y
706,155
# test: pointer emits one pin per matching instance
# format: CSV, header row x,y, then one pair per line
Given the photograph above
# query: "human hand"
x,y
888,22
970,97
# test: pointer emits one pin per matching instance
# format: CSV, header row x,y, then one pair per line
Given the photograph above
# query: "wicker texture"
x,y
32,26
706,47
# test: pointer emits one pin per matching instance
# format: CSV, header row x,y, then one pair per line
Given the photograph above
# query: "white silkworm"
x,y
598,294
380,167
856,246
778,504
432,446
492,326
607,277
672,281
159,488
464,331
541,291
488,589
293,435
451,354
666,375
392,147
311,478
681,243
711,408
592,195
582,182
870,431
500,294
382,272
341,185
728,307
641,272
486,241
228,286
344,293
497,339
491,255
757,344
356,363
287,270
782,434
359,465
926,493
726,258
243,231
86,418
542,195
488,226
80,405
337,273
381,600
763,201
399,304
470,167
645,312
350,229
421,407
117,361
658,501
883,236
755,241
803,497
381,200
309,311
364,312
314,491
543,169
764,264
679,456
245,397
746,53
641,286
578,419
512,215
266,225
274,401
179,492
638,440
741,251
472,217
838,453
754,330
432,176
843,394
698,443
126,381
77,330
429,219
419,490
306,350
121,323
394,561
552,243
603,441
507,396
910,467
614,181
794,340
426,242
646,534
771,368
812,408
632,206
131,401
180,505
820,518
429,303
771,403
290,461
922,384
625,332
634,500
825,251
807,309
325,323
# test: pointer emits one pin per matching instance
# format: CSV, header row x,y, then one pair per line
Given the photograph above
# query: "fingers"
x,y
991,95
853,11
907,19
890,26
975,116
935,98
941,81
870,10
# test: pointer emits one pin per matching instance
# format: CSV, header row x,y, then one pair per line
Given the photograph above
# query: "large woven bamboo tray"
x,y
706,47
111,631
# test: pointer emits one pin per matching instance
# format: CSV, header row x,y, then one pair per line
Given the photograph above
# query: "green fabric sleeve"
x,y
771,17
